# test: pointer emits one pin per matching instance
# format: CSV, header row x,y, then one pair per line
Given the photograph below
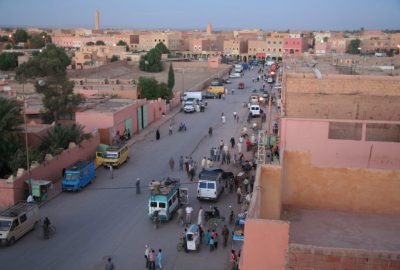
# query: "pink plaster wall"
x,y
120,117
92,120
265,246
312,136
12,192
155,108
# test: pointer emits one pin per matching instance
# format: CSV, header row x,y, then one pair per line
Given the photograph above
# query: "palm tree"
x,y
10,119
59,137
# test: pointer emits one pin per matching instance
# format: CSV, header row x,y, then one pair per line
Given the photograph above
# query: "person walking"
x,y
225,235
214,234
152,260
239,195
170,129
110,265
228,158
234,115
201,233
246,183
186,162
207,237
188,211
200,217
211,243
171,163
203,163
160,257
232,140
181,163
233,260
210,131
137,185
180,215
157,134
223,118
192,172
146,255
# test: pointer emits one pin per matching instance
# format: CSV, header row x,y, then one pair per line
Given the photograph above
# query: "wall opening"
x,y
345,131
383,132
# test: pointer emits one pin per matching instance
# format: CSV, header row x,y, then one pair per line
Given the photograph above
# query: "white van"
x,y
210,186
17,221
255,110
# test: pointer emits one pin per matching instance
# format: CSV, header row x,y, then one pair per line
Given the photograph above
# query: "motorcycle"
x,y
182,127
213,218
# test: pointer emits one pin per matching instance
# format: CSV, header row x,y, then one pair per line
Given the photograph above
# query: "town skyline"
x,y
291,15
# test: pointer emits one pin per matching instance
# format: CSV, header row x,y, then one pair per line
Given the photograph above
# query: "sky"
x,y
189,14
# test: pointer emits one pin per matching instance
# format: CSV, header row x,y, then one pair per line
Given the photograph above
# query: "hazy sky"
x,y
185,14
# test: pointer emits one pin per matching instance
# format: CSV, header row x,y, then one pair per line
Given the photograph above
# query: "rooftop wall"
x,y
342,97
354,190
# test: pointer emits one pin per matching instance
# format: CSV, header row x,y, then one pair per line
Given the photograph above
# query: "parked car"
x,y
209,95
227,81
189,107
235,75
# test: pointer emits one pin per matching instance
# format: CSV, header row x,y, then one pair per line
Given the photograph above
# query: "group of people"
x,y
152,259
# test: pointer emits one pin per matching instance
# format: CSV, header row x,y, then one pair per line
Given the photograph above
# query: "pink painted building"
x,y
295,44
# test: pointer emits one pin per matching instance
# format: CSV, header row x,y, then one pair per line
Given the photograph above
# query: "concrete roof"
x,y
112,105
344,230
342,97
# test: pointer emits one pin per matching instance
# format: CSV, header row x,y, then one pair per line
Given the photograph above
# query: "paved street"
x,y
109,219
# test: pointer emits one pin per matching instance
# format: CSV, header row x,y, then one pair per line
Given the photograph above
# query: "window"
x,y
153,204
14,224
203,185
211,185
169,202
22,218
344,131
161,205
383,132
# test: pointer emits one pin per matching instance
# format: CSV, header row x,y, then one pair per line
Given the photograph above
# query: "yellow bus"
x,y
114,155
216,86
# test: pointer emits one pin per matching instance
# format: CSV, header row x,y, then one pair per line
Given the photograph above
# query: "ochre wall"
x,y
343,189
265,245
270,191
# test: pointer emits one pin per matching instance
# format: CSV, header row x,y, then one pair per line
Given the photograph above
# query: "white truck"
x,y
195,95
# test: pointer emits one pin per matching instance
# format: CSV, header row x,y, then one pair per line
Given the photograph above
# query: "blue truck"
x,y
78,176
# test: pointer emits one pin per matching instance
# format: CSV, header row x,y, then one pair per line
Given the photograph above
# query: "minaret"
x,y
97,20
209,29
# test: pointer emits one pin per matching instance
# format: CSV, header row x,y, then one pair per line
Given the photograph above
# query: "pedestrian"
x,y
215,237
186,162
138,185
146,255
207,237
215,157
200,217
157,134
30,199
223,119
171,163
152,260
188,211
225,235
223,159
234,115
111,171
210,131
201,233
110,265
239,146
160,257
181,163
203,163
225,148
233,260
239,195
192,172
211,243
246,183
180,215
232,142
170,129
228,158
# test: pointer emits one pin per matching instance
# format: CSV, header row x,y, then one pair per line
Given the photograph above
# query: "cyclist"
x,y
46,228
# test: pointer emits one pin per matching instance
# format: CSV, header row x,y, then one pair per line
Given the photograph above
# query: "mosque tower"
x,y
209,28
97,20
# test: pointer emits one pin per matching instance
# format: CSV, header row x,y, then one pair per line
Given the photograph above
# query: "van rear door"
x,y
206,190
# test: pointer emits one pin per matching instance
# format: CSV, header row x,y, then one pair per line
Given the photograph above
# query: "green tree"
x,y
20,35
51,62
353,46
4,38
9,60
37,42
100,42
90,43
114,58
161,47
10,119
8,46
165,91
58,98
59,137
171,77
121,43
151,62
148,88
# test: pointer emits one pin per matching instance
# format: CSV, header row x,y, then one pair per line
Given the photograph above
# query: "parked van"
x,y
210,186
255,110
17,221
78,176
194,95
114,155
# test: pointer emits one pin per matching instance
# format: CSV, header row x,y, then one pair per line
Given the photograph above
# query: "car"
x,y
227,81
188,107
235,75
209,95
